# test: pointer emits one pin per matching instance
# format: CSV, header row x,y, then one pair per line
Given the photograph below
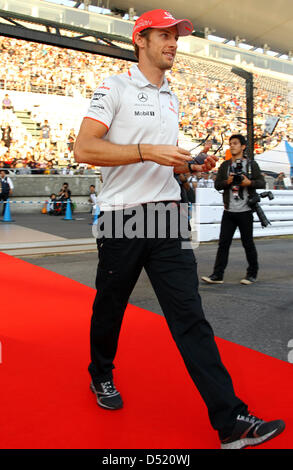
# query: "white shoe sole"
x,y
209,281
241,443
246,282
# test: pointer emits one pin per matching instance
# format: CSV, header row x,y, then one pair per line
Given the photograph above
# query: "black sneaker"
x,y
248,280
107,395
213,279
251,431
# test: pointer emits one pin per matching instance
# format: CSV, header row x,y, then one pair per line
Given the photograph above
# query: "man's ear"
x,y
139,40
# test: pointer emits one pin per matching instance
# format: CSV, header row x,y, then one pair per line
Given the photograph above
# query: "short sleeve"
x,y
104,103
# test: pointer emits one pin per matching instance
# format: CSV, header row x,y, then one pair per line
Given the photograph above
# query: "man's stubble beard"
x,y
160,64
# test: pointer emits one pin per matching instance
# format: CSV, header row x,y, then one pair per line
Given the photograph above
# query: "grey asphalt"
x,y
79,227
259,316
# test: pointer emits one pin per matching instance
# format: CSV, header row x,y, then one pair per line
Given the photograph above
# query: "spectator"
x,y
54,207
7,103
186,191
32,164
279,182
68,170
46,134
28,145
206,181
213,103
49,170
3,148
60,136
24,169
6,135
71,140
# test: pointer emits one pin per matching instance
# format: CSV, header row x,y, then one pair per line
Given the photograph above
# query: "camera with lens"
x,y
253,202
238,173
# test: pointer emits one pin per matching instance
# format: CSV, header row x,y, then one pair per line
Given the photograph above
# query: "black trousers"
x,y
230,222
172,271
3,197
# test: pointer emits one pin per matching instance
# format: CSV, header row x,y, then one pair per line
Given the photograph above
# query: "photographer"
x,y
279,182
239,179
64,196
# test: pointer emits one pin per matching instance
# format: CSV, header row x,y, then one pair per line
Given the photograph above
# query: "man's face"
x,y
235,147
160,47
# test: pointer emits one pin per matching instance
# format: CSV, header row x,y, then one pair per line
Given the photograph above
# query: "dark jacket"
x,y
253,173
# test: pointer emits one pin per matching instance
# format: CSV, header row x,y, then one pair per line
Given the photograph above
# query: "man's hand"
x,y
245,181
209,164
230,178
168,155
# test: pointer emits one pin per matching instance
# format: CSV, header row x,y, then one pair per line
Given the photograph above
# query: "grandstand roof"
x,y
259,22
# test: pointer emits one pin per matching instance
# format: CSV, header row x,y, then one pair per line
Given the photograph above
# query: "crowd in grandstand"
x,y
208,105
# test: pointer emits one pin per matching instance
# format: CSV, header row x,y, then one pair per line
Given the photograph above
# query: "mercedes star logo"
x,y
143,97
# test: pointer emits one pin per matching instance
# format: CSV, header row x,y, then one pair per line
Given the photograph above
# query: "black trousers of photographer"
x,y
172,271
230,222
3,197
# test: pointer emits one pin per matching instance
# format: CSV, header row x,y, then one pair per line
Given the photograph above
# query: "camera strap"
x,y
249,169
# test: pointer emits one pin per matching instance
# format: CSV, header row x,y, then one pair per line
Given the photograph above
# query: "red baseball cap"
x,y
161,19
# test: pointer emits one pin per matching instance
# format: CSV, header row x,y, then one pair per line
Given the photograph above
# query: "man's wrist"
x,y
146,150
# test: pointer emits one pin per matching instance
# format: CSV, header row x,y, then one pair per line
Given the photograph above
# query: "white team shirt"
x,y
136,111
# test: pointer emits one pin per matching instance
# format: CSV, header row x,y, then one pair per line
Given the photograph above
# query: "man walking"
x,y
237,212
131,131
6,188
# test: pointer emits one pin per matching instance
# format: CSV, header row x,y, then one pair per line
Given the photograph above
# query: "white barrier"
x,y
208,209
33,205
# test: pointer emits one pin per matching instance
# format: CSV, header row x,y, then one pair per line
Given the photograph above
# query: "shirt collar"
x,y
141,81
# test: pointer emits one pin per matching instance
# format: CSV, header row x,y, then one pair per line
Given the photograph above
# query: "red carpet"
x,y
45,397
